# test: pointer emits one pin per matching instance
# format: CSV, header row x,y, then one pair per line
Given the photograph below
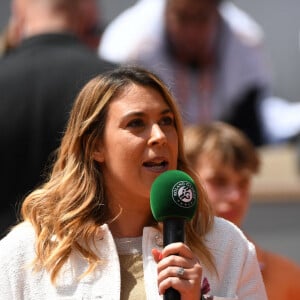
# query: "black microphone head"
x,y
173,195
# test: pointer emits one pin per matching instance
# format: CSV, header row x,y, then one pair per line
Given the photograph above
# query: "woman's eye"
x,y
136,123
167,121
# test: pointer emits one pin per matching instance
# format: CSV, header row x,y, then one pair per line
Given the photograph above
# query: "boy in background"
x,y
226,161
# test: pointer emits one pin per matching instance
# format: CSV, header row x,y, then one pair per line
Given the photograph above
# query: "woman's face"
x,y
227,189
140,142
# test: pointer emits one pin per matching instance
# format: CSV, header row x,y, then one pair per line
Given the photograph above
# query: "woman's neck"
x,y
128,214
130,223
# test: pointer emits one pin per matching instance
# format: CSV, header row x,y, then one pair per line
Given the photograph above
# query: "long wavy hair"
x,y
67,211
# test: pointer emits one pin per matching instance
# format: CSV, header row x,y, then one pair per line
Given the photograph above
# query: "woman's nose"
x,y
157,135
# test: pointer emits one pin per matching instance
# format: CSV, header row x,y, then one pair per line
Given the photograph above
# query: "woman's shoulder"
x,y
222,226
235,261
19,240
226,235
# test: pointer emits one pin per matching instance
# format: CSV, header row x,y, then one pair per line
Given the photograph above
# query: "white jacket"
x,y
235,258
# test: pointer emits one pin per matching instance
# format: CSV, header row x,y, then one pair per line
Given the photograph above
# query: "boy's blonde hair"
x,y
222,144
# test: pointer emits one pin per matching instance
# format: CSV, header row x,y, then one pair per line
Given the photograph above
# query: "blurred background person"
x,y
39,79
226,161
89,29
10,36
123,36
91,24
135,25
216,70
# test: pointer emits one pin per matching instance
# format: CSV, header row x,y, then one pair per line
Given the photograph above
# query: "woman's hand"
x,y
180,269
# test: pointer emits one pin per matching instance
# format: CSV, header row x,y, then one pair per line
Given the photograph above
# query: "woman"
x,y
88,232
226,161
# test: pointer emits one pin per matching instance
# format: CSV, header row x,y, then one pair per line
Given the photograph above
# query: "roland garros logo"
x,y
184,194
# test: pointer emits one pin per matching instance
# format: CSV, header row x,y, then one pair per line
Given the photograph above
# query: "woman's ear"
x,y
98,154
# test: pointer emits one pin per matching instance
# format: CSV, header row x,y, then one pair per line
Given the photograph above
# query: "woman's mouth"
x,y
156,166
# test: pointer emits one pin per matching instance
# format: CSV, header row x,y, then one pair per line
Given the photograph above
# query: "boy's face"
x,y
228,189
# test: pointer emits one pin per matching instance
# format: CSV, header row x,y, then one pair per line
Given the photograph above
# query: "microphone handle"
x,y
173,231
171,294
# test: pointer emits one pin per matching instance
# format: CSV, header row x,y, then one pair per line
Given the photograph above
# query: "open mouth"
x,y
156,166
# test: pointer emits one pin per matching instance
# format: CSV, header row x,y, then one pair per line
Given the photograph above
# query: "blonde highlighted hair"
x,y
68,210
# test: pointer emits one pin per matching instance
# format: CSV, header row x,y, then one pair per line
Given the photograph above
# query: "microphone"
x,y
173,201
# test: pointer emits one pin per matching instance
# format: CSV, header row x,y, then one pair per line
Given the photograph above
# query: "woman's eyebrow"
x,y
166,111
134,114
141,113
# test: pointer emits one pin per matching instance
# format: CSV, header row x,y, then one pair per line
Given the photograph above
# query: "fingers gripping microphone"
x,y
173,201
